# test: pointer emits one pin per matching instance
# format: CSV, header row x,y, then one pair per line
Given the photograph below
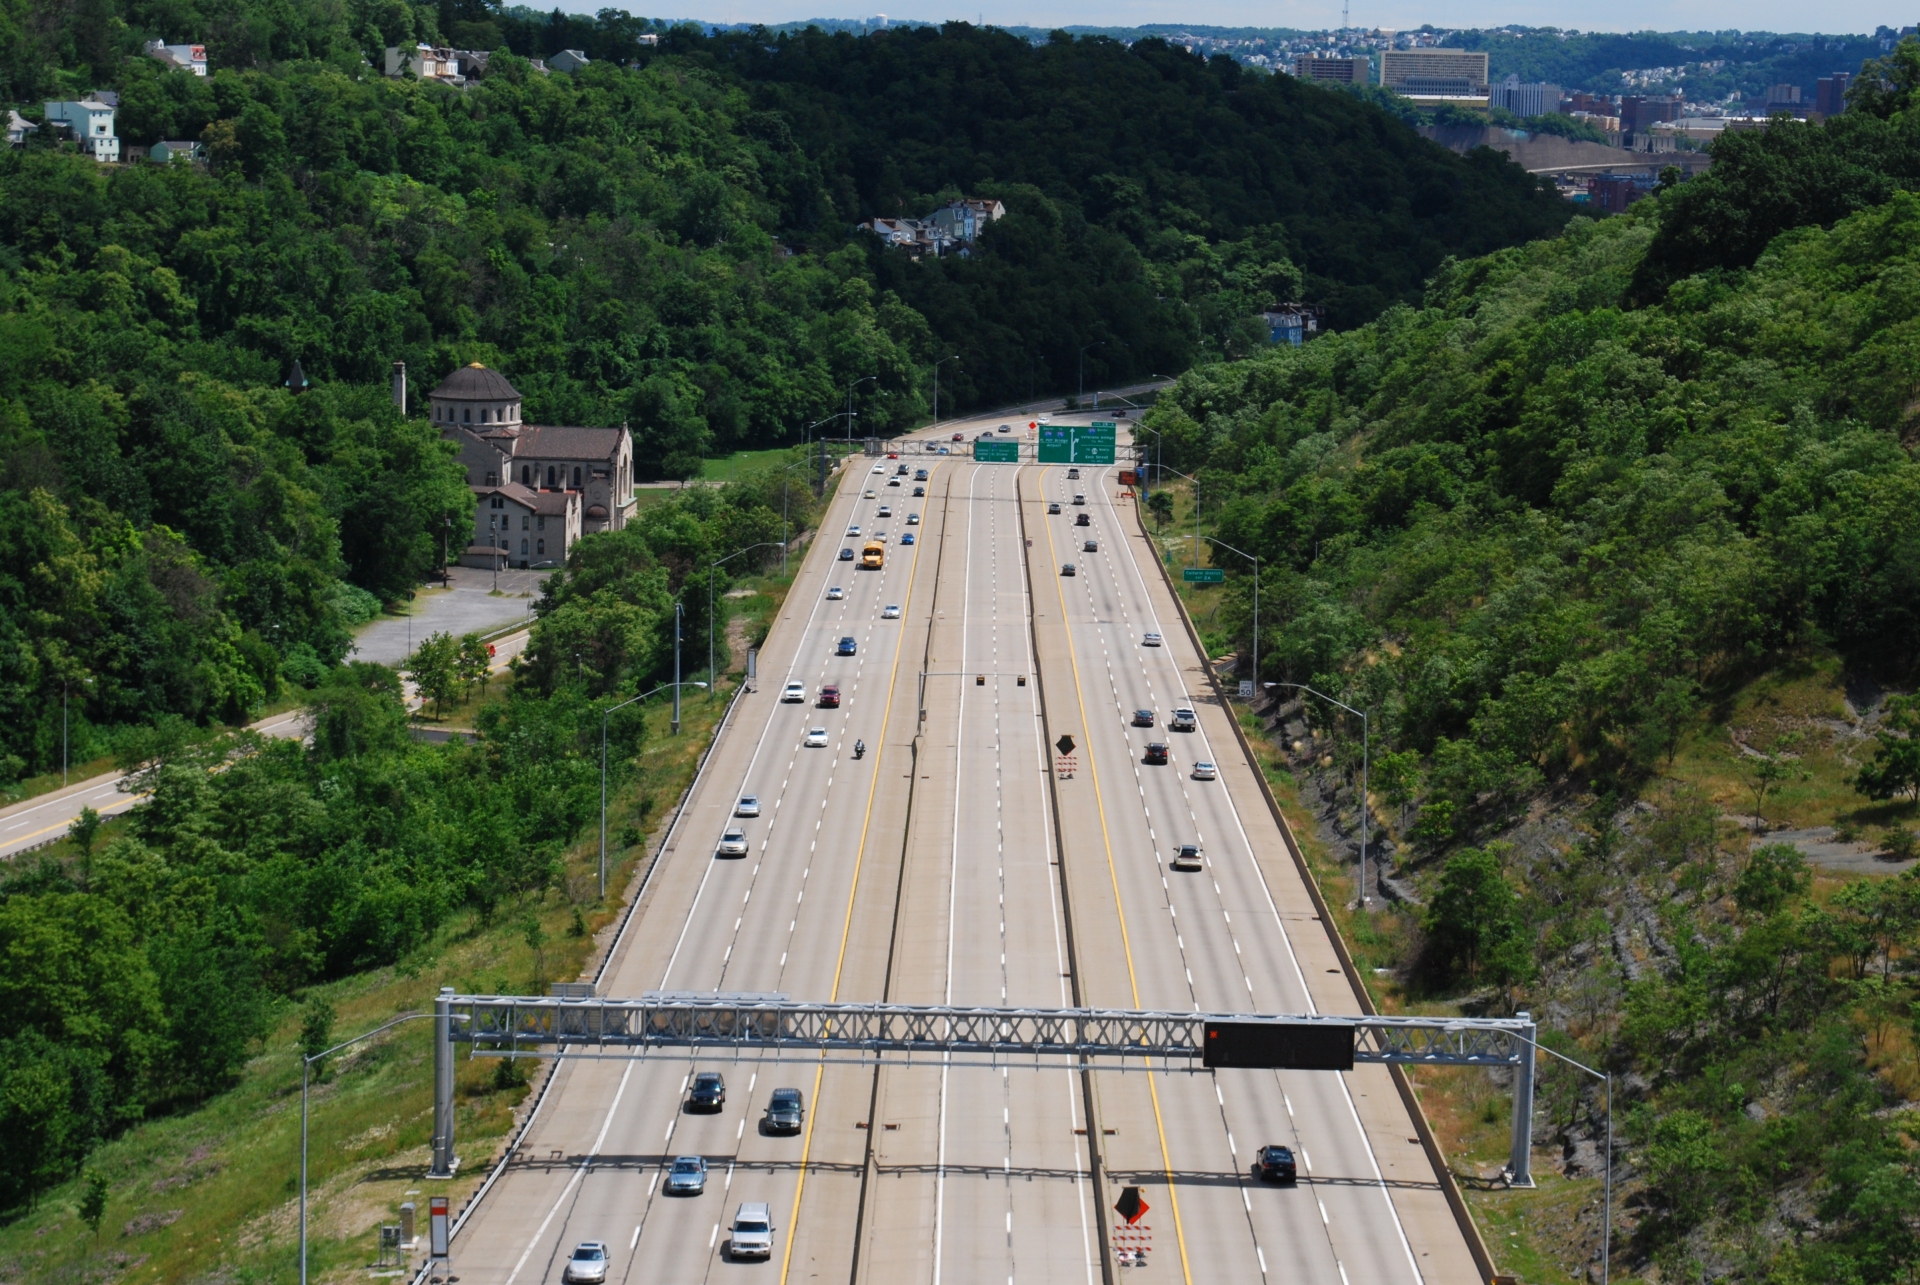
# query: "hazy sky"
x,y
1620,15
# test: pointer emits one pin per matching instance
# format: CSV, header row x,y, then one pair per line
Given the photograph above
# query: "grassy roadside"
x,y
211,1195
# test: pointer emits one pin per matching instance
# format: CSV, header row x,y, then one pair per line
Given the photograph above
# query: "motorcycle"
x,y
859,749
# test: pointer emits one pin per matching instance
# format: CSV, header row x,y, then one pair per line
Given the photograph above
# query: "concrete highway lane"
x,y
979,1174
935,871
806,913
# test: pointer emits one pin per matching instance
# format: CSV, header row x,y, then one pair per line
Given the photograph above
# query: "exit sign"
x,y
1204,575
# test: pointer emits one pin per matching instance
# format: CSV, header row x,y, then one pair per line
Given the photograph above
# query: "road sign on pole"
x,y
1203,575
996,452
1064,744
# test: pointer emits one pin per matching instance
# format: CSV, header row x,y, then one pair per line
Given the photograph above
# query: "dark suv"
x,y
786,1111
1275,1165
709,1092
1156,753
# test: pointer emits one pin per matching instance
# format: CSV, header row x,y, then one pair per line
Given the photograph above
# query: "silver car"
x,y
688,1177
748,806
1204,771
1151,640
733,843
752,1233
588,1266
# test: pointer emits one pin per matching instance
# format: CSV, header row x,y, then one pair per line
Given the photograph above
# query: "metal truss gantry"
x,y
583,1024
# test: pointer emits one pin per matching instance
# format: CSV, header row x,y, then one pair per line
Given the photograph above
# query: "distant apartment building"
x,y
955,224
191,58
1537,99
1830,94
91,120
1339,71
1431,77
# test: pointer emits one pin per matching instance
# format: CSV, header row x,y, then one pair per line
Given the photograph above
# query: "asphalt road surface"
x,y
28,825
930,872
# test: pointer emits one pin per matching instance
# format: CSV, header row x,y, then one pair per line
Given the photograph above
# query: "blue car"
x,y
907,538
848,647
846,555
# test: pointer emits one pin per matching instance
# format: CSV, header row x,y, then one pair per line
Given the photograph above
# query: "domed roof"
x,y
476,383
597,512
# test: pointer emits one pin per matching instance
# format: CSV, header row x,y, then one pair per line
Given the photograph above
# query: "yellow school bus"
x,y
873,556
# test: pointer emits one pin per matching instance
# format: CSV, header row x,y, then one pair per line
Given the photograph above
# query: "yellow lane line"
x,y
846,928
1113,875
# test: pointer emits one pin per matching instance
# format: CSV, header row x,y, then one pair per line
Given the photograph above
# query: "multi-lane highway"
x,y
935,870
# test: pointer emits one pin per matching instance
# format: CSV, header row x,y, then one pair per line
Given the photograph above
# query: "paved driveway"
x,y
469,606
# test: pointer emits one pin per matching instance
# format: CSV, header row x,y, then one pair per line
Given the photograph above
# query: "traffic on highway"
x,y
886,818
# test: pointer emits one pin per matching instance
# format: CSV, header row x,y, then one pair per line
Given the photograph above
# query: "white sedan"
x,y
816,738
886,511
1204,771
748,806
1151,640
794,692
853,532
835,593
890,612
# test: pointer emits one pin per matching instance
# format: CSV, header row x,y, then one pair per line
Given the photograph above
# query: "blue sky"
x,y
1620,15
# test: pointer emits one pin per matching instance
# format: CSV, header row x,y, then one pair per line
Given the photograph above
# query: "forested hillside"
x,y
1617,538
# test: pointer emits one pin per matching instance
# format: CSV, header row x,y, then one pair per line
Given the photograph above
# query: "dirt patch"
x,y
153,1220
1821,846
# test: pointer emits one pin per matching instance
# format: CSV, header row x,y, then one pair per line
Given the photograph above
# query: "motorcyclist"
x,y
859,749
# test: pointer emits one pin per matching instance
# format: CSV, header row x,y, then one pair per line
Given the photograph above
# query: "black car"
x,y
1275,1165
1156,753
786,1111
846,555
920,475
1143,718
919,490
1067,569
709,1092
848,646
1083,519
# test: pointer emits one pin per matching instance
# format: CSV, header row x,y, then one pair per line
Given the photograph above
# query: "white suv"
x,y
752,1234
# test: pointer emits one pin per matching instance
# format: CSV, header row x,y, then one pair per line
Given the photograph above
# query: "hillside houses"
x,y
955,226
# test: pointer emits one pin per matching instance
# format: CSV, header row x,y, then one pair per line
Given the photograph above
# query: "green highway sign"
x,y
1077,443
996,452
1204,575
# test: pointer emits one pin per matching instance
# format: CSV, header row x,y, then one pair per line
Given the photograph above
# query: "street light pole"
x,y
1365,759
604,715
493,538
1196,510
1081,396
1606,1214
936,385
676,666
1256,597
712,677
306,1075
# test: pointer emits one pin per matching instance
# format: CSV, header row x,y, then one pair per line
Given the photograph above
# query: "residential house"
x,y
539,487
18,127
568,60
963,221
428,62
174,149
191,58
1291,323
91,120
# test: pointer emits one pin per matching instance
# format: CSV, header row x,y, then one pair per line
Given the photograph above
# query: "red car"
x,y
959,437
830,697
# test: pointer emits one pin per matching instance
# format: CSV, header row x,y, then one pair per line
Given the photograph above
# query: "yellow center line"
x,y
1113,875
846,928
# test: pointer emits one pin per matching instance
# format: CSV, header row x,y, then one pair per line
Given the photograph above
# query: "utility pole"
x,y
676,667
936,385
1083,370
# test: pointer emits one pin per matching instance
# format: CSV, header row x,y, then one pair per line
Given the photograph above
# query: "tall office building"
x,y
1434,76
1343,71
1537,99
1830,94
